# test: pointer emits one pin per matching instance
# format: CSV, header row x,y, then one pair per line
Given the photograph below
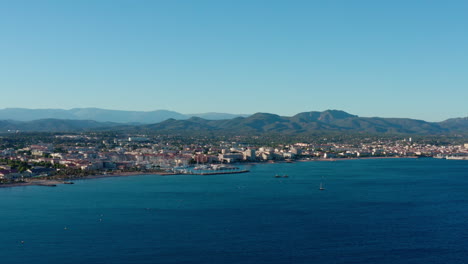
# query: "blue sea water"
x,y
372,211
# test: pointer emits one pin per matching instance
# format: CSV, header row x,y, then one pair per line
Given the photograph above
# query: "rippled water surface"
x,y
372,211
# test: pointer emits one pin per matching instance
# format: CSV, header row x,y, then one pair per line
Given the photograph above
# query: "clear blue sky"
x,y
370,58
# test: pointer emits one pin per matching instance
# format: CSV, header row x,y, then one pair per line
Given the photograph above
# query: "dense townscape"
x,y
26,157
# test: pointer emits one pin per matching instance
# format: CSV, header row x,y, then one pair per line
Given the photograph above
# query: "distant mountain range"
x,y
104,115
54,125
309,122
259,123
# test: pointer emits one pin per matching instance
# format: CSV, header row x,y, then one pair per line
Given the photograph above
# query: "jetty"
x,y
217,172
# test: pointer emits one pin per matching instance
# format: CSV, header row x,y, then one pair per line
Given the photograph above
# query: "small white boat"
x,y
321,187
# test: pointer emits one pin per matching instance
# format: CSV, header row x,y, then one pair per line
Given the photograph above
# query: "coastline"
x,y
362,158
331,159
49,183
55,182
124,174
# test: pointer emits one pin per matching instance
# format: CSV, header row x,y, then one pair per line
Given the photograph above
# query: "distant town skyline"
x,y
368,58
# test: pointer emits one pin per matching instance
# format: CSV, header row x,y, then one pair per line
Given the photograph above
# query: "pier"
x,y
218,172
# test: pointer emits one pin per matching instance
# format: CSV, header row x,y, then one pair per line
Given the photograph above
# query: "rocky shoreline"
x,y
55,182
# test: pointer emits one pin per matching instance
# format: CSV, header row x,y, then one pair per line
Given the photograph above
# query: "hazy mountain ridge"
x,y
217,116
307,122
54,125
456,124
104,115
